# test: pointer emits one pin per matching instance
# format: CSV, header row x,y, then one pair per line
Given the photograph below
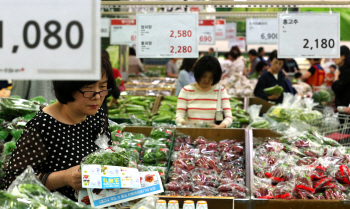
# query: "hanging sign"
x,y
301,35
167,35
206,32
239,42
220,30
231,31
123,31
105,25
261,31
51,40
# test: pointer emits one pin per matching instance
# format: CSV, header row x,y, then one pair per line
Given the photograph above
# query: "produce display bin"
x,y
278,203
218,135
258,101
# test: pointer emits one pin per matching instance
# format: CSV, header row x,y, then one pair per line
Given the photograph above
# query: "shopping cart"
x,y
334,126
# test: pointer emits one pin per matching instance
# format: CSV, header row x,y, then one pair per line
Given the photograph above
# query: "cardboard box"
x,y
258,101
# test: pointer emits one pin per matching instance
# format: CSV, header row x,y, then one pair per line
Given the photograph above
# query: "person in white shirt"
x,y
198,102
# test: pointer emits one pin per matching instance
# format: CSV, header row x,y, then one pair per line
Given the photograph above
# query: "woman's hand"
x,y
113,101
73,177
222,125
347,110
274,97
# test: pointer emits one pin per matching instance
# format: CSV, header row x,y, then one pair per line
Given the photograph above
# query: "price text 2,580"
x,y
181,33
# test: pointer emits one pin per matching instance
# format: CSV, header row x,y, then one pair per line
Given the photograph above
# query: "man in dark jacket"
x,y
341,84
274,75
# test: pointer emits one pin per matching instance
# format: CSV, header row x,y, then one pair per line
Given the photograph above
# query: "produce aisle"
x,y
288,150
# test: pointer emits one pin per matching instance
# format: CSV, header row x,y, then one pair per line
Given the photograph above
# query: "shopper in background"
x,y
273,76
240,59
315,75
226,65
210,52
341,85
115,91
56,140
4,84
171,68
261,53
261,67
330,76
28,89
198,102
290,66
254,60
186,75
135,64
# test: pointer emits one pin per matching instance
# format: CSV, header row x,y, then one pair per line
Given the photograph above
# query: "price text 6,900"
x,y
51,34
324,43
181,33
181,49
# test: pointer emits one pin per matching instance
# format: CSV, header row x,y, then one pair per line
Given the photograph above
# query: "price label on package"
x,y
261,31
231,31
51,40
123,31
220,30
109,177
206,32
167,35
301,35
105,25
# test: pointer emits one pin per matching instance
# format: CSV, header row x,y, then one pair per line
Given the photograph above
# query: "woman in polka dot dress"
x,y
60,135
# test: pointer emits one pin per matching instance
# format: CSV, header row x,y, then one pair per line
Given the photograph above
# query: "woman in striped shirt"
x,y
198,101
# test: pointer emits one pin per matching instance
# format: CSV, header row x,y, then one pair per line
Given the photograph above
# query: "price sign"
x,y
261,31
301,35
167,35
123,31
220,30
206,32
240,42
105,25
231,31
50,40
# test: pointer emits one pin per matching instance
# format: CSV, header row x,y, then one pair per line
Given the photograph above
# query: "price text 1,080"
x,y
181,49
52,33
181,33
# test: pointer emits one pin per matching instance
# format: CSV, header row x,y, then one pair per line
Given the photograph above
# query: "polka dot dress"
x,y
49,145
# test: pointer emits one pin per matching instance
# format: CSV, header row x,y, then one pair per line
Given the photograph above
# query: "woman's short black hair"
x,y
188,63
260,66
273,55
132,51
208,64
64,90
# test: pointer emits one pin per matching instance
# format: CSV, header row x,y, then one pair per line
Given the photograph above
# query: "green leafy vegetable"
x,y
17,133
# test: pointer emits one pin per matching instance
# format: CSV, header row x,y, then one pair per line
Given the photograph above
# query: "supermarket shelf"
x,y
282,2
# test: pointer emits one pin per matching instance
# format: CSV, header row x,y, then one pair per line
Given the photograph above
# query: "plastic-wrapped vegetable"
x,y
38,100
17,107
256,121
9,147
107,155
159,132
284,190
16,133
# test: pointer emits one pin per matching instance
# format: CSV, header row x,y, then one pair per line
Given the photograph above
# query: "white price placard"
x,y
105,25
167,35
206,32
231,31
302,35
220,30
261,30
123,31
240,42
50,40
